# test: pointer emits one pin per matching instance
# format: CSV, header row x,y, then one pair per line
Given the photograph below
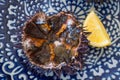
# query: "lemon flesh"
x,y
98,36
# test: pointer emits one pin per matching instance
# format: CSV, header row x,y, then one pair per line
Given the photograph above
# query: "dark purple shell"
x,y
73,35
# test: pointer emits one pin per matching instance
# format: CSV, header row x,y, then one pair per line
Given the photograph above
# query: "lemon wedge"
x,y
98,36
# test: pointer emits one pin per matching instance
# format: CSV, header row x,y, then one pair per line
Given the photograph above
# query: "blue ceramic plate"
x,y
100,63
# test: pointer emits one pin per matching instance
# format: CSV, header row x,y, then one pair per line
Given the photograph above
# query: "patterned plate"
x,y
100,63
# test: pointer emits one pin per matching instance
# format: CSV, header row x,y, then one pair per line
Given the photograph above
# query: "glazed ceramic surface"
x,y
99,63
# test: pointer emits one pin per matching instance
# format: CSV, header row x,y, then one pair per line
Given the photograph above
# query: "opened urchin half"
x,y
55,42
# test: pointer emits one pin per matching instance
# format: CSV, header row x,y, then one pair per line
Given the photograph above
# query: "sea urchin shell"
x,y
54,42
